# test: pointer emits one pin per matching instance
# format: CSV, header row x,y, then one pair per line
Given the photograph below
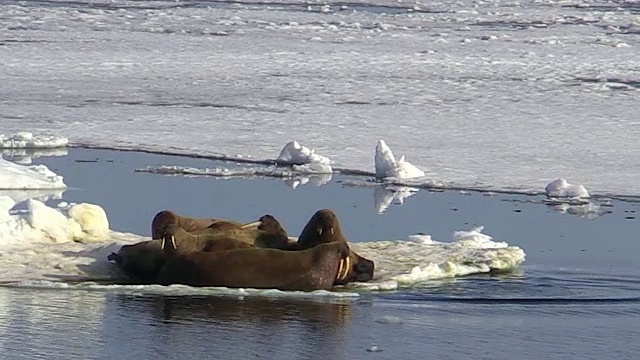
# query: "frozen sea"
x,y
485,94
482,95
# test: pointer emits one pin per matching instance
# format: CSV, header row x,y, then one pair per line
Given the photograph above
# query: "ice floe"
x,y
560,188
73,242
27,140
19,177
387,166
295,153
315,173
406,263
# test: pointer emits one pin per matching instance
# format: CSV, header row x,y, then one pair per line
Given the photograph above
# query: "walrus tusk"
x,y
173,242
347,267
343,268
251,224
319,231
340,267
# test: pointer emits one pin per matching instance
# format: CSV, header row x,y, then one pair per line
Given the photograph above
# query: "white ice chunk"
x,y
6,204
387,166
15,176
43,224
313,168
295,153
561,188
92,220
25,139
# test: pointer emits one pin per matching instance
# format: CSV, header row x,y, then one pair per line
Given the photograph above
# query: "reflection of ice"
x,y
295,153
316,180
384,196
387,166
26,140
39,194
587,210
25,156
560,188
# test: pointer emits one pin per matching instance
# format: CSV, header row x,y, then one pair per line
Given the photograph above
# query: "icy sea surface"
x,y
575,296
504,95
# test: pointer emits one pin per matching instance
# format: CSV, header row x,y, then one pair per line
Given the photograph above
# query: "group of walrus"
x,y
217,252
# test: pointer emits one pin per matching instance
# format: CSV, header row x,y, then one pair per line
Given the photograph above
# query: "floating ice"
x,y
295,153
387,166
561,188
43,224
405,263
383,197
26,140
43,245
296,171
15,176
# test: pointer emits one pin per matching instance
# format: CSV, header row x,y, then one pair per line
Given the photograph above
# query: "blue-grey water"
x,y
576,296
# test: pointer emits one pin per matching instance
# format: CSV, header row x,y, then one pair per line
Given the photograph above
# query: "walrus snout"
x,y
115,257
364,270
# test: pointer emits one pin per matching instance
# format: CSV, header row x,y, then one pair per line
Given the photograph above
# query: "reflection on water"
x,y
43,324
87,324
384,196
245,327
26,156
315,180
42,194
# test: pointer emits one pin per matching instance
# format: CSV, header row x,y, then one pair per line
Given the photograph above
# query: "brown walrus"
x,y
316,268
143,260
266,232
166,217
323,228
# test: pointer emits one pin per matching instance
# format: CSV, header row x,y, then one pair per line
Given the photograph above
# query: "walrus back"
x,y
308,270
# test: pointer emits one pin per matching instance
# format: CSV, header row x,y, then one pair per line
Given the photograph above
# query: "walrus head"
x,y
270,224
323,228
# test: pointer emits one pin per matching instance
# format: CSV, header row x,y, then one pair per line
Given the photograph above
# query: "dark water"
x,y
577,294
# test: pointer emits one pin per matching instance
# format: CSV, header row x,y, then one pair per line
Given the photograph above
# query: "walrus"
x,y
165,217
266,232
324,228
316,268
140,261
143,260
